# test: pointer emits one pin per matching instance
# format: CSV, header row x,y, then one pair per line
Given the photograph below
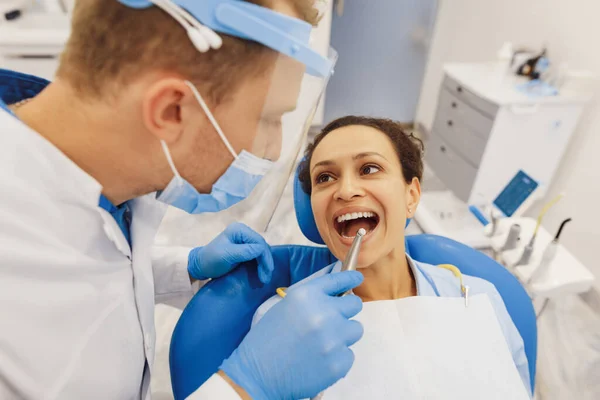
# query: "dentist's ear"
x,y
413,197
162,108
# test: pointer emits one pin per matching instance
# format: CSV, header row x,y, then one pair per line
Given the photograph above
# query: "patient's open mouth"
x,y
348,224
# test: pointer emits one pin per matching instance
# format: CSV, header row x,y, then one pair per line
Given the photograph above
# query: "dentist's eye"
x,y
323,178
369,169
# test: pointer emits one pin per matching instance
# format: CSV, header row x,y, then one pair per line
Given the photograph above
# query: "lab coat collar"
x,y
43,166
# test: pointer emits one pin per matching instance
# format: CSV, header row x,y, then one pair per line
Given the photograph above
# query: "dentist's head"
x,y
134,83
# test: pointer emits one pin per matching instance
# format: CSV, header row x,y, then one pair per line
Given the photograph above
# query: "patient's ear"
x,y
413,196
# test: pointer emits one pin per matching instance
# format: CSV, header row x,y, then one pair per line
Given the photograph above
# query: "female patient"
x,y
365,173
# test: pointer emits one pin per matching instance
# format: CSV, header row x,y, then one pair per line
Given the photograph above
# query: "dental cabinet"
x,y
485,130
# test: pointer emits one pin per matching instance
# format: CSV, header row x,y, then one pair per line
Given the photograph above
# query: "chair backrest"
x,y
437,250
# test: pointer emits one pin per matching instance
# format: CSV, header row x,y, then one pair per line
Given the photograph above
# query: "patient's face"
x,y
357,182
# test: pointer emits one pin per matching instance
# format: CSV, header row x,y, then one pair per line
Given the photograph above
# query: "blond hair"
x,y
111,44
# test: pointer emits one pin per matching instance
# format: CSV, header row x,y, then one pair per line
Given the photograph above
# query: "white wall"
x,y
473,31
382,57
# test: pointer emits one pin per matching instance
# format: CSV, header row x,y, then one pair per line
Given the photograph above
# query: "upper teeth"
x,y
356,215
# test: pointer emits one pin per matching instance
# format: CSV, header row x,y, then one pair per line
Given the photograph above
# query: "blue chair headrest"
x,y
304,212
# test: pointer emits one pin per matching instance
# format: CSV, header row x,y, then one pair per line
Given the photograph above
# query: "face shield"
x,y
280,136
294,71
288,108
277,121
292,130
283,103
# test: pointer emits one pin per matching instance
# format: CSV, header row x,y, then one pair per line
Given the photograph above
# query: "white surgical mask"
x,y
232,187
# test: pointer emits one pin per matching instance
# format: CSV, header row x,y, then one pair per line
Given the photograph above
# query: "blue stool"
x,y
219,316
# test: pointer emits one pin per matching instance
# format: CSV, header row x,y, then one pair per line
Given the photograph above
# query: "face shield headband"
x,y
202,19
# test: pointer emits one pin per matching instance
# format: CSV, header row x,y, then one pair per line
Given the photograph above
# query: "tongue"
x,y
352,227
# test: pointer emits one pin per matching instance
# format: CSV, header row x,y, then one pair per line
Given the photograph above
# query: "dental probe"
x,y
351,260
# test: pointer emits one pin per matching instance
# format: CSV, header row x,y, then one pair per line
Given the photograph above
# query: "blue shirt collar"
x,y
16,86
425,284
106,204
121,214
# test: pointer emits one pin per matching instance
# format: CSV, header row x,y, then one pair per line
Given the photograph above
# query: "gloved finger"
x,y
334,284
194,255
238,253
266,266
240,233
341,364
353,331
349,305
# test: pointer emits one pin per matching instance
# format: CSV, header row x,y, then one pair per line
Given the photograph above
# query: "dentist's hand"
x,y
301,346
237,244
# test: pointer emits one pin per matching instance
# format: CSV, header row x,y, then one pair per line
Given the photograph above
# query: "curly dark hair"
x,y
408,147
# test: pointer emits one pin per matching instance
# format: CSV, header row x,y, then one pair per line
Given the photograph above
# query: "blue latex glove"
x,y
301,346
237,244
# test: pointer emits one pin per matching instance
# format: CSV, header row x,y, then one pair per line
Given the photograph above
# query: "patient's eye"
x,y
324,178
369,169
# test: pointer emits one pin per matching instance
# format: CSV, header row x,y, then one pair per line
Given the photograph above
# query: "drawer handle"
x,y
450,123
454,105
443,149
459,89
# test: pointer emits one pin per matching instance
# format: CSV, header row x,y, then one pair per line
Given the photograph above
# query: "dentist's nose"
x,y
348,188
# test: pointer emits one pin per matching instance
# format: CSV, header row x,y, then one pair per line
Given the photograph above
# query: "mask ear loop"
x,y
211,118
169,159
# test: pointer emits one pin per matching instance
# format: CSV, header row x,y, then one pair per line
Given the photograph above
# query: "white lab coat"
x,y
76,308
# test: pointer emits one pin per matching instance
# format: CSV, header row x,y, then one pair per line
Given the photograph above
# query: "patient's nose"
x,y
348,188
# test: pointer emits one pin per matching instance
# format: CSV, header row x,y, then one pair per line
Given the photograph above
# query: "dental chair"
x,y
220,314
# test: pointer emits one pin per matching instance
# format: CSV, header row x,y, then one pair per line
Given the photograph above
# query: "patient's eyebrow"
x,y
367,154
328,163
325,163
